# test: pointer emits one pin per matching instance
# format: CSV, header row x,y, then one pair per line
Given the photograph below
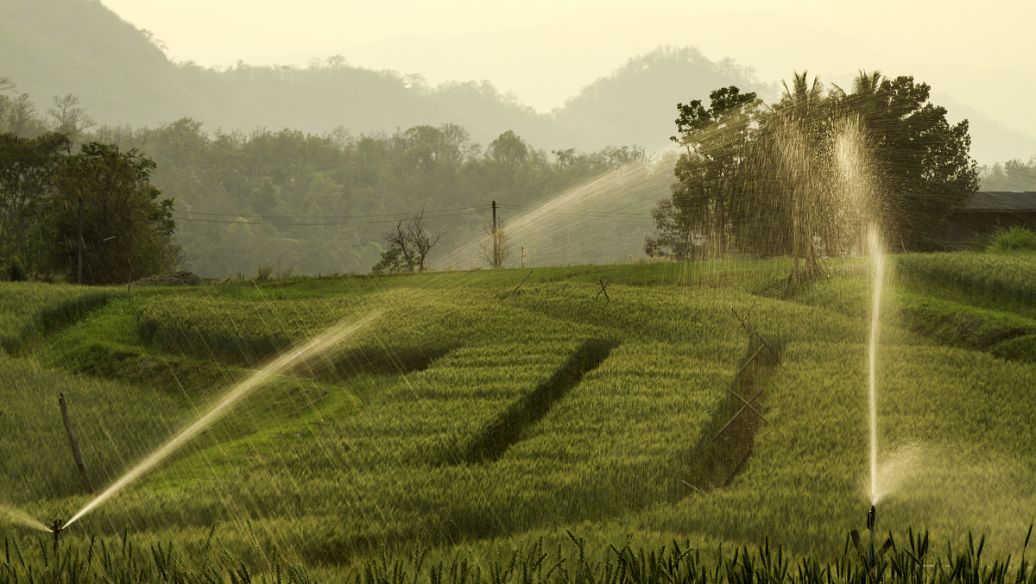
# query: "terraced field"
x,y
487,410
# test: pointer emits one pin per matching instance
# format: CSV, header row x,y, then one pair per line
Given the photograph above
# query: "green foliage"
x,y
15,270
766,180
924,161
995,279
323,203
126,227
1013,239
706,199
27,187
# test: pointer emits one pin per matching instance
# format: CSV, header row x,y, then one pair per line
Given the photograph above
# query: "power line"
x,y
590,215
404,214
291,224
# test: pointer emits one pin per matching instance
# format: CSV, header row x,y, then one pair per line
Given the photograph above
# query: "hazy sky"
x,y
983,54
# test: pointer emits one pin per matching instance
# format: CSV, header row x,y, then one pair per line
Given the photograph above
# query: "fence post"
x,y
73,441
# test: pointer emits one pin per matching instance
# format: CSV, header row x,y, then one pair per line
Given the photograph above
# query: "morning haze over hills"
x,y
56,47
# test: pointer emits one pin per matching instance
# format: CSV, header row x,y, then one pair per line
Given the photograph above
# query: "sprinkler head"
x,y
872,516
56,526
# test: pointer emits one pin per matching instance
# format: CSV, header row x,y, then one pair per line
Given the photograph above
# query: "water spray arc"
x,y
22,518
858,184
314,347
878,266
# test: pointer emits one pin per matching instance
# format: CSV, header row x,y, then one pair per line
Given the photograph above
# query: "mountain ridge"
x,y
122,77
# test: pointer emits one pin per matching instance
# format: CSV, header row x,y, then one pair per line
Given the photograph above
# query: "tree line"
x,y
315,203
808,171
87,212
1013,175
323,203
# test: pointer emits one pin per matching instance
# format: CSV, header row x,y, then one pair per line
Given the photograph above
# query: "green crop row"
x,y
1004,279
929,313
618,441
955,448
30,310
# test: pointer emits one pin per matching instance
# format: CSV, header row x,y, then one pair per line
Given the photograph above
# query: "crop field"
x,y
490,413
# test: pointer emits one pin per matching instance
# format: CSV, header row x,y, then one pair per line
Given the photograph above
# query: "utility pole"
x,y
496,240
79,244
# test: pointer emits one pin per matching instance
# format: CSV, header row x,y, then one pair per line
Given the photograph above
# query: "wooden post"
x,y
73,441
496,240
603,289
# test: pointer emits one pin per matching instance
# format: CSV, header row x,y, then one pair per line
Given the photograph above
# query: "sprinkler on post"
x,y
55,530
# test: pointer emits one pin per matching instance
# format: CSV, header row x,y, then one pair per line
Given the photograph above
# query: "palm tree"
x,y
867,84
798,112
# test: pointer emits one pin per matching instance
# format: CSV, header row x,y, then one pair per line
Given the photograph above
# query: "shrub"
x,y
263,274
15,271
1013,239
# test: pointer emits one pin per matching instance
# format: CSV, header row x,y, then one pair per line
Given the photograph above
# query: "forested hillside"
x,y
322,203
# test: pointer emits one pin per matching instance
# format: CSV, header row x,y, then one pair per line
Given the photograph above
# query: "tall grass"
x,y
1012,239
127,561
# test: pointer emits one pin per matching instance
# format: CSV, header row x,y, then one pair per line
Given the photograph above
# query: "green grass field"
x,y
486,412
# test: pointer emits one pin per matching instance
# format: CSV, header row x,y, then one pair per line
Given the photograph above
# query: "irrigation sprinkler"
x,y
55,528
872,518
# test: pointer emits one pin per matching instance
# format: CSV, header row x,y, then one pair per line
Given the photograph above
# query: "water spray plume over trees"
x,y
766,179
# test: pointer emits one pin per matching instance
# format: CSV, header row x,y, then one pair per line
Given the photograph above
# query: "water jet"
x,y
315,346
878,260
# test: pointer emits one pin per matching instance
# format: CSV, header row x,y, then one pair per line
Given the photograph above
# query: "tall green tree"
x,y
801,119
767,177
925,163
107,209
712,172
27,169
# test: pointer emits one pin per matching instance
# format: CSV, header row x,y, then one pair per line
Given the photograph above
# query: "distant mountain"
x,y
56,47
637,103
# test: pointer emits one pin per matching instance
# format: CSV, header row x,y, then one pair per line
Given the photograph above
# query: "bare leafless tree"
x,y
408,247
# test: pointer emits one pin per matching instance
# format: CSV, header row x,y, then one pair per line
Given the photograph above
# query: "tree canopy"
x,y
789,177
96,206
105,203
